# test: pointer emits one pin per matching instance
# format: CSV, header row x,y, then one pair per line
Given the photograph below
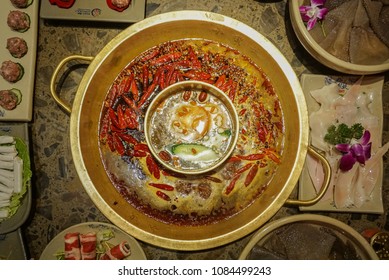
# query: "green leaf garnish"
x,y
343,134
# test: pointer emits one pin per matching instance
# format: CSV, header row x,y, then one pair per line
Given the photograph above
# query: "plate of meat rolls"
x,y
93,241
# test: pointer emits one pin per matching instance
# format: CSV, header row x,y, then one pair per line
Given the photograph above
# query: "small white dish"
x,y
58,242
311,82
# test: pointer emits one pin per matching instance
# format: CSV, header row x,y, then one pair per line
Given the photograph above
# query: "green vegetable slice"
x,y
21,74
18,94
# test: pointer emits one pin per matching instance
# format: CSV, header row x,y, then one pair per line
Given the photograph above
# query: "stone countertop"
x,y
59,198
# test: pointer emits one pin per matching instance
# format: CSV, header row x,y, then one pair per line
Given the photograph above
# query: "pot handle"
x,y
327,176
54,77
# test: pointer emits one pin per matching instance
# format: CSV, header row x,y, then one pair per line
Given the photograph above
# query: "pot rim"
x,y
209,242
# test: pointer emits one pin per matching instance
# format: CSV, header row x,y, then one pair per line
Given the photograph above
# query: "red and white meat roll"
x,y
88,246
117,252
72,246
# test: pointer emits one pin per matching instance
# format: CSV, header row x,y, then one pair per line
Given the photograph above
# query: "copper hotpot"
x,y
109,62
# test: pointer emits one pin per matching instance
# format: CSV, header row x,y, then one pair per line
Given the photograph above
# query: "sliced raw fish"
x,y
316,173
368,176
354,187
344,188
322,119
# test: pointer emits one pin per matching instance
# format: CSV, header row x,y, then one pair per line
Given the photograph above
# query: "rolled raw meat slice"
x,y
72,246
118,252
88,246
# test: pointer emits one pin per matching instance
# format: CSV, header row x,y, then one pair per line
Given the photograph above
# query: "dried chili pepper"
x,y
251,157
231,185
164,187
243,169
128,138
153,167
162,195
142,147
137,153
251,175
118,145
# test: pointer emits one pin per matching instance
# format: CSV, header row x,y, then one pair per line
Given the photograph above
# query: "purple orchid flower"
x,y
311,14
352,153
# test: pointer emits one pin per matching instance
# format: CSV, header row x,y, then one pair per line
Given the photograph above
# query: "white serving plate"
x,y
311,82
18,219
57,243
23,112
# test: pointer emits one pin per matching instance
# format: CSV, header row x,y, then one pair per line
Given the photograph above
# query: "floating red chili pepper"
x,y
243,169
163,195
153,167
137,153
213,179
142,147
118,145
251,175
164,187
231,185
66,4
127,138
251,157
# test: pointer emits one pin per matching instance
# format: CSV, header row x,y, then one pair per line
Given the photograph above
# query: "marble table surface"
x,y
59,200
